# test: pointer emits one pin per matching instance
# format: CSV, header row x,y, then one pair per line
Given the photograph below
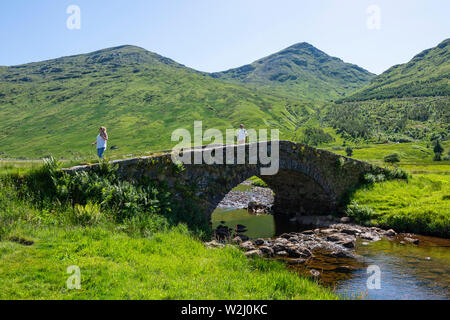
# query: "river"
x,y
407,271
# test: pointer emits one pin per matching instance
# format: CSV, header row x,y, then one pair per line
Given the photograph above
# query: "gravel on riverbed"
x,y
240,199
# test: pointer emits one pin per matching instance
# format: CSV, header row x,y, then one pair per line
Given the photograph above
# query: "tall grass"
x,y
144,256
420,205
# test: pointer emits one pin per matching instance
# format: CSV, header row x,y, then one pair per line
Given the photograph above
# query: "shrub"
x,y
392,158
438,150
340,162
134,203
349,151
370,178
257,182
359,213
316,136
395,173
88,214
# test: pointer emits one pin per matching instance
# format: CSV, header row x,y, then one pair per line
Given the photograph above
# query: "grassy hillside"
x,y
300,71
405,119
427,74
56,106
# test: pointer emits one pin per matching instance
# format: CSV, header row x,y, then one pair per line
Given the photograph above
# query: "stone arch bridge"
x,y
309,181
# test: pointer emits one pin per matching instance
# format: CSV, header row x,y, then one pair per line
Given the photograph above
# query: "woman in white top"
x,y
101,141
242,135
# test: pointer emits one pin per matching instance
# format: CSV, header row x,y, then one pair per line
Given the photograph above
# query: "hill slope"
x,y
427,74
301,71
56,106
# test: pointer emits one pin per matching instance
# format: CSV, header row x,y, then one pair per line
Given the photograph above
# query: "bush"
x,y
349,151
83,195
392,158
257,182
340,162
369,178
438,150
395,173
316,136
88,214
359,213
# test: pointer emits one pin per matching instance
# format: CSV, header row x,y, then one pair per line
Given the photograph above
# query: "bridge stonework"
x,y
309,181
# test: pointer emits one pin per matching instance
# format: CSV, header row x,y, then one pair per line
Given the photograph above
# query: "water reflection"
x,y
407,271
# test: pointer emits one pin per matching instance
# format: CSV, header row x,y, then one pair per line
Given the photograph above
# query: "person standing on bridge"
x,y
102,138
242,135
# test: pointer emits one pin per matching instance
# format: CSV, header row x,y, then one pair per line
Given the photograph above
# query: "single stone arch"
x,y
309,181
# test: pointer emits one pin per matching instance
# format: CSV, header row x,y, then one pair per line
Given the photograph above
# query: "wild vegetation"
x,y
402,120
129,241
419,204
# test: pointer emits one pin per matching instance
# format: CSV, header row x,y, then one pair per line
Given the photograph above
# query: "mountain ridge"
x,y
426,74
56,106
306,72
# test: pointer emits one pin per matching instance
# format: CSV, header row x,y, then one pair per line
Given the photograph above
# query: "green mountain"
x,y
56,106
408,102
427,74
300,71
397,119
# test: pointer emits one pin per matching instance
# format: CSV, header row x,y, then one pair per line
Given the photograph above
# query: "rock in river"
x,y
247,246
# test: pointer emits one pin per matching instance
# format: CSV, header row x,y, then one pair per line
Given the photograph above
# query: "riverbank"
x,y
144,256
113,265
420,204
338,256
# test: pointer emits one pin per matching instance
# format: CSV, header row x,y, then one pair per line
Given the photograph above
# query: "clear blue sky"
x,y
214,35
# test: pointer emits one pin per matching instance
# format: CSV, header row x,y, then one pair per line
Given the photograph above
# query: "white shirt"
x,y
242,134
101,143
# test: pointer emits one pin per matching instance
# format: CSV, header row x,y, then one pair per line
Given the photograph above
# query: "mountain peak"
x,y
302,45
301,71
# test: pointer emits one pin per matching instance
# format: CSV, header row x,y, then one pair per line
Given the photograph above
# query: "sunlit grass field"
x,y
119,263
421,204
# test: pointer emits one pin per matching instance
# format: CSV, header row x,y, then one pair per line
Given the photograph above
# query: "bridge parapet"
x,y
308,180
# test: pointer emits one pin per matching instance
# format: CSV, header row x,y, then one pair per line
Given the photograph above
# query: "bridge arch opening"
x,y
272,207
293,194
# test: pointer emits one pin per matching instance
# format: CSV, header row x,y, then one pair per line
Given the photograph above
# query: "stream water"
x,y
407,271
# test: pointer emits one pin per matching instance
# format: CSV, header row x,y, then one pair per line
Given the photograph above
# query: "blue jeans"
x,y
100,152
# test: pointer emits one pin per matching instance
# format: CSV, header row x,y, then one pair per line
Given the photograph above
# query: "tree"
x,y
349,151
438,149
392,158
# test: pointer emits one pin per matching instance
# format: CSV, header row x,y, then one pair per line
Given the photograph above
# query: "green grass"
x,y
411,154
139,96
119,263
169,265
18,167
419,205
